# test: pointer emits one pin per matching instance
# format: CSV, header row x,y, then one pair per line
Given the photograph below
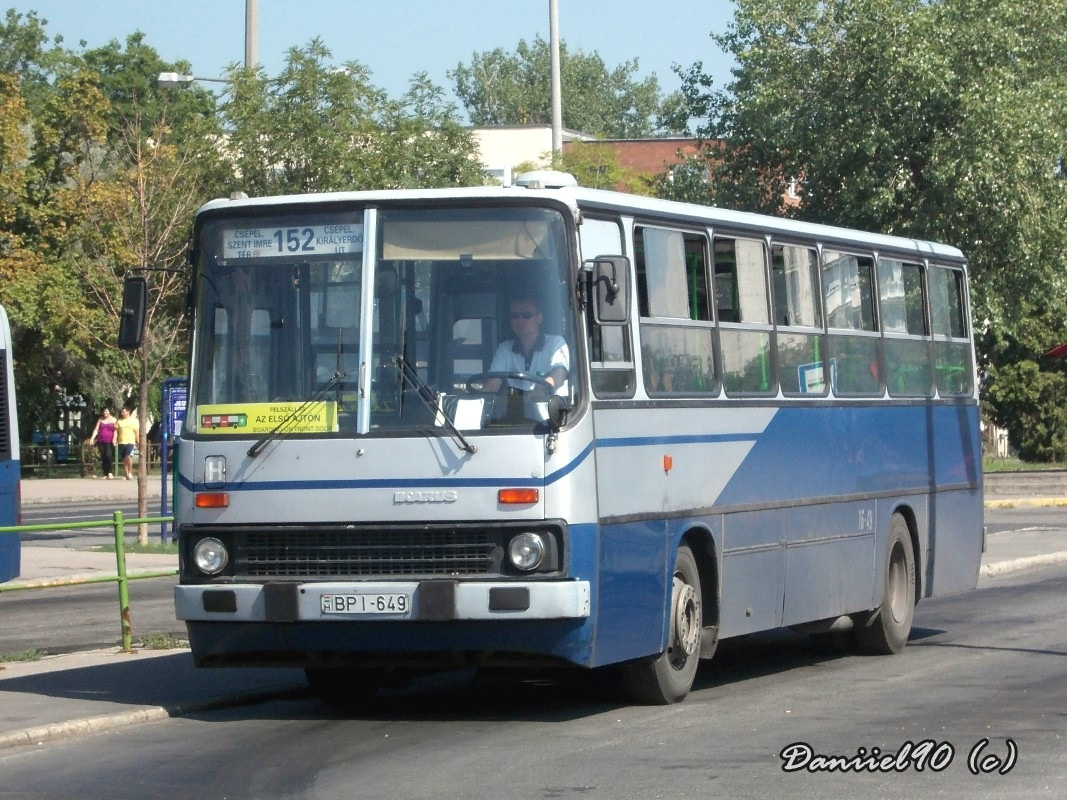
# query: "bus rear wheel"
x,y
668,677
887,630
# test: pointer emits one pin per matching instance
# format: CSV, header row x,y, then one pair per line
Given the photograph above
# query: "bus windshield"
x,y
461,318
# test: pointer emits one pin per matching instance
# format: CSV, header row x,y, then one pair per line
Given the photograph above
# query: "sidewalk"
x,y
66,490
42,565
86,692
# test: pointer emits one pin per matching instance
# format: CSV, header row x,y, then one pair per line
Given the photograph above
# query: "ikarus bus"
x,y
547,425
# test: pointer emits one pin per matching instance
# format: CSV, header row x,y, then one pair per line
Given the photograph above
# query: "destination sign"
x,y
295,242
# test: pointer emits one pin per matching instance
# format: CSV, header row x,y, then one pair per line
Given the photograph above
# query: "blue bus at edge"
x,y
10,474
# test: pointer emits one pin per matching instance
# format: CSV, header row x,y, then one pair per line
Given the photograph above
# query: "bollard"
x,y
124,584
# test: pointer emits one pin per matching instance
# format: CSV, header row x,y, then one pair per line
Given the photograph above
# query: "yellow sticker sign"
x,y
259,418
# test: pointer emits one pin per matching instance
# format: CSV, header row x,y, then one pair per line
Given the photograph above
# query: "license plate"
x,y
396,604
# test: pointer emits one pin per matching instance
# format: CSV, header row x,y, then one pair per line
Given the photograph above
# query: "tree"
x,y
44,155
24,53
101,171
139,219
319,128
504,88
101,175
26,269
596,167
937,119
160,160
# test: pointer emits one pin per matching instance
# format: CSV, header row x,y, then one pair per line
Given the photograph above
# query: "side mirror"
x,y
558,408
610,290
132,313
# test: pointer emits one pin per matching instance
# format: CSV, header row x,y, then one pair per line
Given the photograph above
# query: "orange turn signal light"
x,y
212,500
517,496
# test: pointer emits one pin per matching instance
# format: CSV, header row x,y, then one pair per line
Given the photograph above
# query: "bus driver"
x,y
542,354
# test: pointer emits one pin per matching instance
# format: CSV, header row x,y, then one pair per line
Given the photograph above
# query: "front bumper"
x,y
427,601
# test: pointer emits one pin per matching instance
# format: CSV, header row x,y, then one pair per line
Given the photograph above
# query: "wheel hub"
x,y
686,621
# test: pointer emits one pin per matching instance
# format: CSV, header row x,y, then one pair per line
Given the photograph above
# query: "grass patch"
x,y
33,654
990,464
157,547
162,641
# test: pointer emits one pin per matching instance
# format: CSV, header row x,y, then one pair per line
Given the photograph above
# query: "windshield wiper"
x,y
335,380
426,394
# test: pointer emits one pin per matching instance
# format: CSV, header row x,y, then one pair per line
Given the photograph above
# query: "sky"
x,y
396,39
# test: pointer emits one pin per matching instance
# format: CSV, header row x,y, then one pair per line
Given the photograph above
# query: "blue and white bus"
x,y
10,473
745,423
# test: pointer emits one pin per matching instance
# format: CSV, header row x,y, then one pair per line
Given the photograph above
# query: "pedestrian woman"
x,y
104,439
126,430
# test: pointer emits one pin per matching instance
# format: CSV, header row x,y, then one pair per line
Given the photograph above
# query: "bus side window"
x,y
952,348
853,344
907,347
677,334
741,299
801,366
610,347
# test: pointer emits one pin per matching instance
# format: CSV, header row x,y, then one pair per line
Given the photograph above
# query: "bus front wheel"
x,y
887,630
668,677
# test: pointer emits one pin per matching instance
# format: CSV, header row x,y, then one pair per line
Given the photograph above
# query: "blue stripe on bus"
x,y
397,483
437,483
372,483
689,438
570,466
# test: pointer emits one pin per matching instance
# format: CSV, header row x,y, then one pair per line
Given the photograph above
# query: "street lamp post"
x,y
557,101
251,34
171,80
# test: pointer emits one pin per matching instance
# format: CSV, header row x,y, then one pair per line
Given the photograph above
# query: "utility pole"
x,y
251,34
557,102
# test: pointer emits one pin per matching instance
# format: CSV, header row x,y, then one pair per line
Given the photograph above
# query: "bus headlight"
x,y
210,556
527,551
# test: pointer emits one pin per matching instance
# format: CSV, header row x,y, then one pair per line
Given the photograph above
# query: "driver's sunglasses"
x,y
522,314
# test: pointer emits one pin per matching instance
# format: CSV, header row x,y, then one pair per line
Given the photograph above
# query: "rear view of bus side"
x,y
745,423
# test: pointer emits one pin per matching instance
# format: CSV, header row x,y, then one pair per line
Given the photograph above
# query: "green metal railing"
x,y
118,522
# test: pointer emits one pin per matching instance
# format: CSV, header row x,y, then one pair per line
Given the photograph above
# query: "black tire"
x,y
341,687
668,677
886,631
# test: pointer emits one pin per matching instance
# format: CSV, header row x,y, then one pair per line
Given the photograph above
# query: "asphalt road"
x,y
61,513
70,618
981,688
60,620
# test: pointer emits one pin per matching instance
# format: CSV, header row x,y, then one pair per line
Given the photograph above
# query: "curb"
x,y
77,727
103,498
105,722
82,579
1026,502
1016,564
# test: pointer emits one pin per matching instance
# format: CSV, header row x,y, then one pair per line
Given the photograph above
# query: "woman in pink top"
x,y
104,439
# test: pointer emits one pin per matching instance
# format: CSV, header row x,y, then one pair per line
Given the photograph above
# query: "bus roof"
x,y
577,197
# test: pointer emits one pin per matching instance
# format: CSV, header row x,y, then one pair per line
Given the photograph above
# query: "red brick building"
x,y
644,157
502,147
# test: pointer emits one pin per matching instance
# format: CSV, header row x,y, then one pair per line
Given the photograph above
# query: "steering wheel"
x,y
482,377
